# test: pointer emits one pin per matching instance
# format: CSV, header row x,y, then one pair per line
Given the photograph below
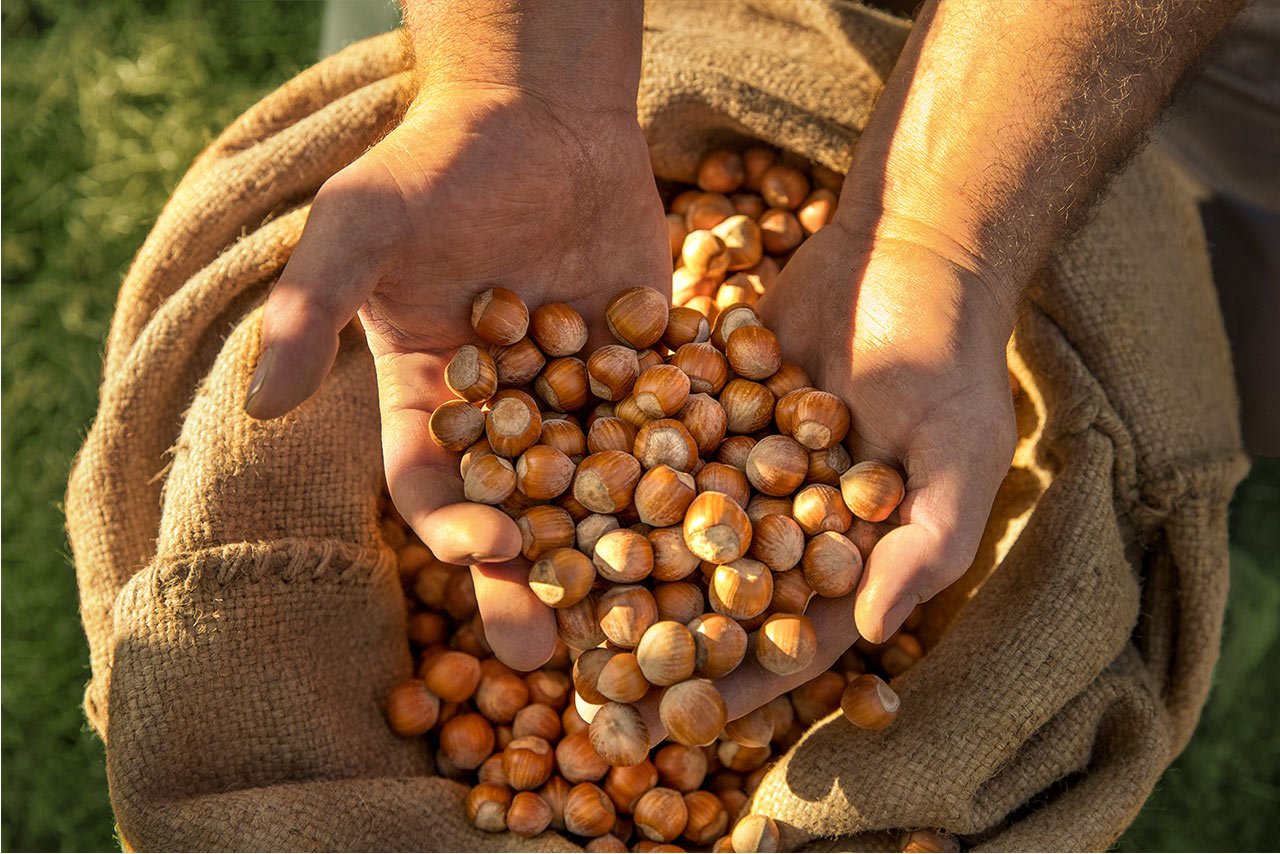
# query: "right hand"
x,y
480,186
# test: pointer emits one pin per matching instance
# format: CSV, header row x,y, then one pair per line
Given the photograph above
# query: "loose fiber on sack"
x,y
245,619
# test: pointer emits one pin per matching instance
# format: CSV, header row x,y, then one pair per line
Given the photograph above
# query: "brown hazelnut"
x,y
784,186
528,814
563,384
818,209
819,508
681,767
537,719
705,254
500,697
869,703
791,592
471,374
820,420
558,329
513,423
637,317
623,556
707,818
662,496
665,653
607,844
490,479
743,240
627,783
611,434
685,326
767,505
467,740
565,436
871,490
680,601
411,708
562,577
832,565
544,528
549,687
734,451
625,612
453,676
756,833
605,482
427,628
693,712
487,806
588,811
661,815
490,771
731,318
748,406
591,529
666,441
786,644
720,645
716,528
527,762
780,231
518,363
690,290
788,378
704,365
555,792
777,465
676,232
736,291
818,697
754,729
777,541
586,674
755,162
577,625
456,424
718,477
661,391
753,352
619,735
704,418
708,210
672,559
612,371
748,204
741,589
621,679
827,465
578,760
721,171
499,316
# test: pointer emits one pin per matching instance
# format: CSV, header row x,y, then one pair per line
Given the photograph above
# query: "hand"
x,y
480,186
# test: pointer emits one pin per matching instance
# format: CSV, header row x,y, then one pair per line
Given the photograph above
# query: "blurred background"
x,y
104,106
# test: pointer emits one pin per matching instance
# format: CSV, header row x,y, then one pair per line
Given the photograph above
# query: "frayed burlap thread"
x,y
244,615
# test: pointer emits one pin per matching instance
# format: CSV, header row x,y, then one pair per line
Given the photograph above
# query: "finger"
x,y
423,477
327,279
750,686
520,629
943,515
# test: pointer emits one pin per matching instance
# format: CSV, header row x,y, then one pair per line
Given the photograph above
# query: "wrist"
x,y
574,54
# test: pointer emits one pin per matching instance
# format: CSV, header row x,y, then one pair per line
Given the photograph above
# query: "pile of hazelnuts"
x,y
682,494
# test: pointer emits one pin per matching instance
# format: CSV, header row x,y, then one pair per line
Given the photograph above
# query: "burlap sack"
x,y
245,619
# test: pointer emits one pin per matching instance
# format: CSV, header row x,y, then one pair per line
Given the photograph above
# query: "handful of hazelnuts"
x,y
682,494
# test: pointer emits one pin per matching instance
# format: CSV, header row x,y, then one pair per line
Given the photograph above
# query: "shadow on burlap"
x,y
245,619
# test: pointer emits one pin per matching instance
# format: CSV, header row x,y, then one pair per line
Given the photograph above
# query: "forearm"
x,y
1003,119
579,53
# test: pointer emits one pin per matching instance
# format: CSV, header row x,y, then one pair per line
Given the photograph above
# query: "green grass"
x,y
104,106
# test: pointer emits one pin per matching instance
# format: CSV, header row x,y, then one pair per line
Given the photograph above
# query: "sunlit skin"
x,y
521,164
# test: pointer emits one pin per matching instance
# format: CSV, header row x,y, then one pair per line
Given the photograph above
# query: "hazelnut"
x,y
467,740
685,326
578,760
832,565
754,729
741,589
818,697
718,477
708,210
563,384
411,708
562,577
731,318
487,806
705,254
735,291
753,352
586,674
756,833
791,592
680,601
748,204
537,719
661,814
544,528
612,371
621,679
818,508
721,171
662,496
920,841
453,676
784,186
748,406
490,771
456,424
577,625
555,792
459,597
627,783
681,767
648,359
625,612
676,232
528,814
755,162
611,434
571,721
827,465
767,505
565,436
489,480
780,231
777,464
693,712
716,528
500,697
591,529
869,703
430,583
734,451
637,317
672,559
588,811
623,556
427,628
513,423
819,421
683,200
720,645
787,378
743,240
704,418
666,653
786,644
818,209
661,391
776,540
558,329
687,288
666,441
707,818
471,374
527,762
607,844
871,490
518,363
549,687
605,482
619,735
499,316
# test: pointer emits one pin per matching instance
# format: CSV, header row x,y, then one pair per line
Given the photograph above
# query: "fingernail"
x,y
259,379
477,558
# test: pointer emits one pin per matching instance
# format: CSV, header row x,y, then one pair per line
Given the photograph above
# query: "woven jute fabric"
x,y
245,618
